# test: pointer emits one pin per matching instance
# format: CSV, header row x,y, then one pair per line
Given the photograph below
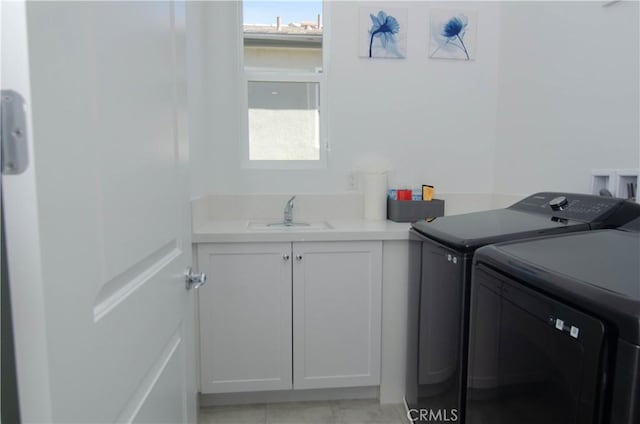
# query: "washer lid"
x,y
633,226
469,231
596,271
542,213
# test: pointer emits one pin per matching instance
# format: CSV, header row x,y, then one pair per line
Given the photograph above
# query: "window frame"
x,y
275,75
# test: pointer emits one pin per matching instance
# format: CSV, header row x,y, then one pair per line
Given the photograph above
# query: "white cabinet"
x,y
330,292
245,317
337,290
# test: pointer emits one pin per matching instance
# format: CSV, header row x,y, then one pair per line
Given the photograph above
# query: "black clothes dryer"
x,y
441,254
555,330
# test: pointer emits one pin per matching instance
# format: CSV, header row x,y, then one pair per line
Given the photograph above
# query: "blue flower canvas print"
x,y
383,32
453,35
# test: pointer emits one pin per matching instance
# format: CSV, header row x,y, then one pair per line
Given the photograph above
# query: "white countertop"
x,y
342,230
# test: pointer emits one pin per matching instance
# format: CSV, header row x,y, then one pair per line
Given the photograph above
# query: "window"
x,y
284,121
285,84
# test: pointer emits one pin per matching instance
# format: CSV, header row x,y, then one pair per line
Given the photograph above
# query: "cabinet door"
x,y
245,317
337,290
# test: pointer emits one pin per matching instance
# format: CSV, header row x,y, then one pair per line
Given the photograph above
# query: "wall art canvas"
x,y
383,32
453,34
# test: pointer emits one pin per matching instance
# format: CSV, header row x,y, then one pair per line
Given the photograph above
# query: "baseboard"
x,y
278,396
405,418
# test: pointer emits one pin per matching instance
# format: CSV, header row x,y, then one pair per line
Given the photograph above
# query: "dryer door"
x,y
533,360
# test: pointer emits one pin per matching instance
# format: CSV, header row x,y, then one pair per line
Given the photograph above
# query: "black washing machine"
x,y
555,330
441,254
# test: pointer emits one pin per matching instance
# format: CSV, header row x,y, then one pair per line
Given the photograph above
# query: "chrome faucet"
x,y
288,212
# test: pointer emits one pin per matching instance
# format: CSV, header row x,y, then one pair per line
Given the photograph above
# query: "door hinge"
x,y
13,137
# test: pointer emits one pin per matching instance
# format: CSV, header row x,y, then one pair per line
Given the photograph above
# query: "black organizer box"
x,y
414,210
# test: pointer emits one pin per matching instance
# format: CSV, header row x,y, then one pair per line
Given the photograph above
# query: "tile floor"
x,y
329,412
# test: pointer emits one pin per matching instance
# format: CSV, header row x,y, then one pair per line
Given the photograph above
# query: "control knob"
x,y
559,203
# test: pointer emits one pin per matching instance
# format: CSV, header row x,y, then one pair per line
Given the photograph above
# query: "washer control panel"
x,y
580,207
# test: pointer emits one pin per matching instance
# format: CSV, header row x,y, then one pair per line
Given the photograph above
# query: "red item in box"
x,y
404,194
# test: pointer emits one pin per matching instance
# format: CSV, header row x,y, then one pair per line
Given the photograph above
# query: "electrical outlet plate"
x,y
352,181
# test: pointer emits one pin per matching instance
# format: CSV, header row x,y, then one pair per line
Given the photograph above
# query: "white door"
x,y
97,226
245,317
337,307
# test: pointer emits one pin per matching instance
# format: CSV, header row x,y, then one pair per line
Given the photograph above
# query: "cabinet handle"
x,y
298,257
286,257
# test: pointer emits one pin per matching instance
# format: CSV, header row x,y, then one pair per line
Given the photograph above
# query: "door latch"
x,y
194,280
13,137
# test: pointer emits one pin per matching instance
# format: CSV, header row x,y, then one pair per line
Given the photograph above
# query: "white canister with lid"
x,y
375,195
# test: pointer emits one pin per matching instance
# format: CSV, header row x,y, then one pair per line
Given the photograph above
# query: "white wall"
x,y
554,92
569,94
433,120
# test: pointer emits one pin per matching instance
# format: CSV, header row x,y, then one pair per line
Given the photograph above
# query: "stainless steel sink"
x,y
297,226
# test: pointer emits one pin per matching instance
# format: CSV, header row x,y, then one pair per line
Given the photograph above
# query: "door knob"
x,y
193,280
285,257
298,257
